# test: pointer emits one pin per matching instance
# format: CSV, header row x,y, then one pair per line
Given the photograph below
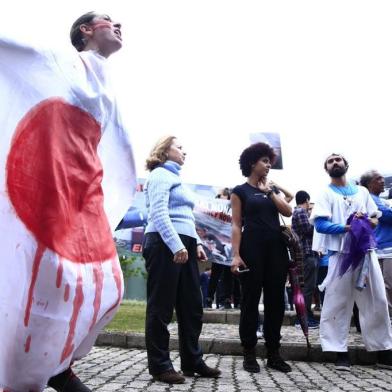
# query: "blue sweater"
x,y
383,230
170,206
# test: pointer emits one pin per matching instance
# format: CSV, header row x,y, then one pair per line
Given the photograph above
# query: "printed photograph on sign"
x,y
273,139
213,223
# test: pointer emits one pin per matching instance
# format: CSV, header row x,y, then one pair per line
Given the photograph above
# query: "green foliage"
x,y
128,267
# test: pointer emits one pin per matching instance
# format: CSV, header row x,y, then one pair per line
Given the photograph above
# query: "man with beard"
x,y
334,206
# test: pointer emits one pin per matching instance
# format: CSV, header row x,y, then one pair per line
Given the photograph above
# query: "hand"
x,y
373,222
265,185
181,257
201,255
236,264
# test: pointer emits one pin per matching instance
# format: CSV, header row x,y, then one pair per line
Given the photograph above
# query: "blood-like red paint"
x,y
27,344
77,304
66,293
54,181
117,275
98,280
36,263
60,269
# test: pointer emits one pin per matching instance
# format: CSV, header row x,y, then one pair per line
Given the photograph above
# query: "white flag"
x,y
66,179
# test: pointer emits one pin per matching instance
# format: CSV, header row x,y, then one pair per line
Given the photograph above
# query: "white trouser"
x,y
338,307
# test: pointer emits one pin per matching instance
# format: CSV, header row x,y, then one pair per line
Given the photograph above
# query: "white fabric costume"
x,y
340,291
63,150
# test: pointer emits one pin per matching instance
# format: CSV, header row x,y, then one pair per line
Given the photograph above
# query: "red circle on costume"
x,y
54,181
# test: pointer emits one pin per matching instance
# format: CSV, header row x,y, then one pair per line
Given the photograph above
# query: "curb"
x,y
291,351
233,317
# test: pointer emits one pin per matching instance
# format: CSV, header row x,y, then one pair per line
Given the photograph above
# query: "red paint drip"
x,y
60,270
117,275
98,280
36,263
77,304
66,293
27,344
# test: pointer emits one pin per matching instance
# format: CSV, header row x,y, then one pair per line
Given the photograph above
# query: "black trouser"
x,y
169,286
267,260
220,271
311,263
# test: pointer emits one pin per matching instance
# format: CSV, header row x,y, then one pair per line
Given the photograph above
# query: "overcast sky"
x,y
214,71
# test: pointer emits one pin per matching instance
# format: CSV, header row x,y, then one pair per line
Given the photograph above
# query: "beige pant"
x,y
338,307
386,268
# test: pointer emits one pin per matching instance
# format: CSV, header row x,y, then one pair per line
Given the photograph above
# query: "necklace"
x,y
346,191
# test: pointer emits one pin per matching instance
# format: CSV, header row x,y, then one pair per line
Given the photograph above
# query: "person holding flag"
x,y
66,179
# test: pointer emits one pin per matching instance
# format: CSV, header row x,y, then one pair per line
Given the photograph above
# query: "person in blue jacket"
x,y
374,182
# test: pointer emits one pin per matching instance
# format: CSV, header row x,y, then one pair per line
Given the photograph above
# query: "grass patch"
x,y
129,318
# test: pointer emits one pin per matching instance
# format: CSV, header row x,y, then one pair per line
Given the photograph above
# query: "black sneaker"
x,y
275,361
384,359
203,370
343,362
250,363
313,324
67,382
209,303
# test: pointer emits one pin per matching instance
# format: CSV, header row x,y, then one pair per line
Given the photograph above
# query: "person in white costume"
x,y
66,179
330,213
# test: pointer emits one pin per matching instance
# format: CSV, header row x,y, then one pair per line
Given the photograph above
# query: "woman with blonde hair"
x,y
171,249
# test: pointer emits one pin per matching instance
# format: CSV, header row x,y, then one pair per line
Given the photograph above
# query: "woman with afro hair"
x,y
259,254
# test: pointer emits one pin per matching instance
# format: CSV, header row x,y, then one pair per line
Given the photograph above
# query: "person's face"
x,y
176,152
262,167
201,232
377,183
211,245
335,166
104,34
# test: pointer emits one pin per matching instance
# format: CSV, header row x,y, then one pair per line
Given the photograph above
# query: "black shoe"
x,y
228,305
384,359
250,363
67,382
209,303
275,361
343,362
169,377
203,371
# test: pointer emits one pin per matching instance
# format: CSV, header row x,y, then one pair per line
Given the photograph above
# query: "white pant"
x,y
338,308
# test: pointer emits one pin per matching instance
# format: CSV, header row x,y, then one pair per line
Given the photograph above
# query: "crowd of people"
x,y
346,241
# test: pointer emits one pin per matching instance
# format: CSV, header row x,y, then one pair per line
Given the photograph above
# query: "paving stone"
x,y
108,369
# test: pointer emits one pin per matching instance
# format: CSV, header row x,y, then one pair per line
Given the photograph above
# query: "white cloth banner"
x,y
66,180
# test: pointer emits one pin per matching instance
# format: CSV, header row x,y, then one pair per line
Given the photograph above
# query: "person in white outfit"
x,y
335,205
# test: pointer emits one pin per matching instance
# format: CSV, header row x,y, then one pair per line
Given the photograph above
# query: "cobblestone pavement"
x,y
113,369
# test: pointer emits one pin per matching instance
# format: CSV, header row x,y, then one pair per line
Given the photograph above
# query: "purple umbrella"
x,y
298,299
296,261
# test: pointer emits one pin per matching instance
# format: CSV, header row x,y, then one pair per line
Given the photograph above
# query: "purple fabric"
x,y
298,299
358,241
